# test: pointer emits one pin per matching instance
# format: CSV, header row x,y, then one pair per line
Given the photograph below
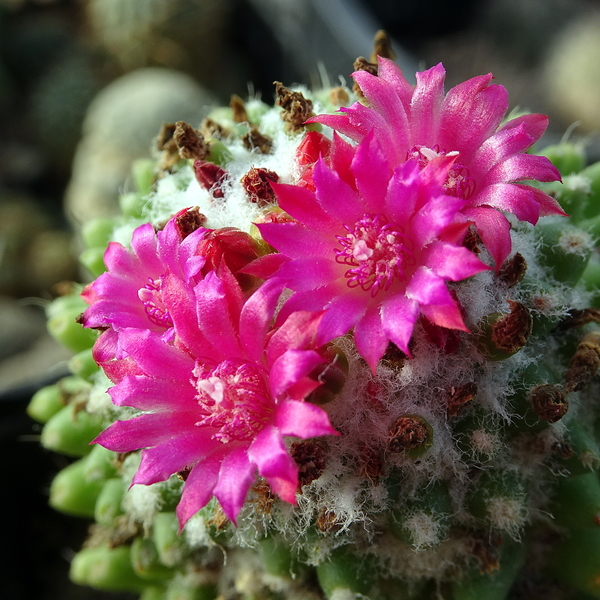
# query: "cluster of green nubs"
x,y
519,518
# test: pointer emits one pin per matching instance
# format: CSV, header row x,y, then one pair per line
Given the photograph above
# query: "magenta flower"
x,y
373,246
129,293
222,396
420,123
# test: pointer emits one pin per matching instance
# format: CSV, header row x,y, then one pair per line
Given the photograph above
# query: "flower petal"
x,y
303,420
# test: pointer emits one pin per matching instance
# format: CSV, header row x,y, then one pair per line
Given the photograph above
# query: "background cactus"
x,y
468,470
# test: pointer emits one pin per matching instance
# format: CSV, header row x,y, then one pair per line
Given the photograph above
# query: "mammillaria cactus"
x,y
342,365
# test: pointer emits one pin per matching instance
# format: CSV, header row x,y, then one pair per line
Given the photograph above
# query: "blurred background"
x,y
84,88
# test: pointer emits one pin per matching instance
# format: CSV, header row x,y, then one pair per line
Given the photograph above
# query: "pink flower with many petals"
x,y
418,124
373,246
129,293
221,395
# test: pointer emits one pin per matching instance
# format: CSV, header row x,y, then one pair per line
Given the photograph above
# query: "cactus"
x,y
303,408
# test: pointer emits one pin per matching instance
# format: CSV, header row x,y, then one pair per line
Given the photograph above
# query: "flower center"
x,y
235,398
377,252
151,297
458,183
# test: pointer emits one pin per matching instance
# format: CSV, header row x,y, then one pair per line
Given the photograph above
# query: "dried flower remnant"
x,y
296,108
190,142
460,397
257,185
311,458
585,363
238,108
513,270
549,402
254,139
210,177
410,434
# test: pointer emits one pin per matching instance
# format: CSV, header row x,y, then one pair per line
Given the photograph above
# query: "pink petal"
x,y
274,463
265,266
520,167
398,316
214,320
534,125
291,367
169,457
145,431
453,262
303,205
371,340
494,230
144,244
235,479
383,98
311,272
298,332
426,106
150,393
427,288
303,420
391,72
199,486
471,112
371,169
155,357
295,240
341,314
336,197
340,123
257,316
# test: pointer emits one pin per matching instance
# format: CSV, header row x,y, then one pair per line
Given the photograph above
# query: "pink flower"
x,y
373,246
130,293
420,123
221,396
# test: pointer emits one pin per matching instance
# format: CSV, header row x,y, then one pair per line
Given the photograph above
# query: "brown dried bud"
x,y
210,176
371,463
585,363
410,434
513,270
218,519
256,184
328,521
264,496
311,458
394,356
210,128
472,241
382,46
338,96
165,140
549,402
511,332
239,109
485,549
461,396
255,139
362,64
184,473
296,108
190,142
563,449
189,220
579,318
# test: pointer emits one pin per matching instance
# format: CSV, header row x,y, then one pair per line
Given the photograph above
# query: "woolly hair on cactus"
x,y
341,347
